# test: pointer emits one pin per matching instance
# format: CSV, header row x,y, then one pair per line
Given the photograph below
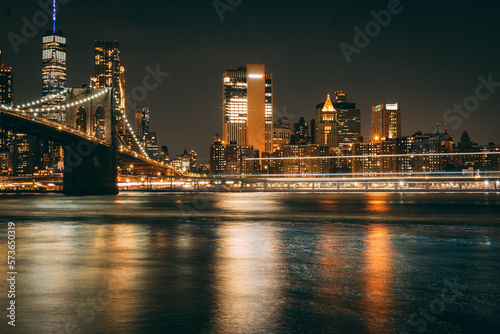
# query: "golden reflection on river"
x,y
378,275
247,293
121,246
378,202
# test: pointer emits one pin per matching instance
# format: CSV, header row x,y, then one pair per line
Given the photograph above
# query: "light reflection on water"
x,y
252,263
378,278
249,278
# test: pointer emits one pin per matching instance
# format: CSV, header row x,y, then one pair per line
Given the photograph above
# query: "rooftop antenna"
x,y
54,16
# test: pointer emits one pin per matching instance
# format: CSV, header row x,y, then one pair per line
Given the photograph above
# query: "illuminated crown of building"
x,y
328,105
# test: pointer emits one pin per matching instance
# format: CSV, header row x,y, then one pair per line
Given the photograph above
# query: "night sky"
x,y
428,58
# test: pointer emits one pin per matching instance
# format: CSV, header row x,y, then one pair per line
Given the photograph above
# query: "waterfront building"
x,y
193,160
375,164
182,163
236,163
231,159
27,155
271,165
217,157
367,165
475,162
306,166
420,143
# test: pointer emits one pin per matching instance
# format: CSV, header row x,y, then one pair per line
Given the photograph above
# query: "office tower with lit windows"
x,y
326,131
6,83
236,159
348,119
305,166
301,132
141,122
54,70
110,73
193,159
6,96
20,154
247,107
386,121
218,161
151,145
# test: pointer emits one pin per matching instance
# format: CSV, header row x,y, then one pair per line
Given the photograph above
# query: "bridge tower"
x,y
91,168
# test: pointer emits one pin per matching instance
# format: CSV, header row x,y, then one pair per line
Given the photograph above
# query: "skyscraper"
x,y
6,83
193,159
326,124
151,145
247,107
141,122
301,132
386,121
54,69
348,119
218,162
6,96
20,154
110,73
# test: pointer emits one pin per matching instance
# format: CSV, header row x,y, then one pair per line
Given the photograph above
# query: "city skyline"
x,y
231,166
296,91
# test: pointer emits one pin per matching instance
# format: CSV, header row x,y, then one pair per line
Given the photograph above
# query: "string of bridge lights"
x,y
22,108
122,110
42,100
134,135
64,106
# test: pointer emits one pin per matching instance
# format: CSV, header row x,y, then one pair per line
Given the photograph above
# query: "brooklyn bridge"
x,y
86,128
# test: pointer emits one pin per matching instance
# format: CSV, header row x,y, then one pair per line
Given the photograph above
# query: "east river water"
x,y
253,263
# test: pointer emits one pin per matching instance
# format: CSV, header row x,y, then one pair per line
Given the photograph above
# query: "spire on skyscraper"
x,y
54,16
328,104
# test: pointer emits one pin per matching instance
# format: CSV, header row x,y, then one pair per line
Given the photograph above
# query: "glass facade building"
x,y
54,72
248,107
110,73
141,122
348,119
386,121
